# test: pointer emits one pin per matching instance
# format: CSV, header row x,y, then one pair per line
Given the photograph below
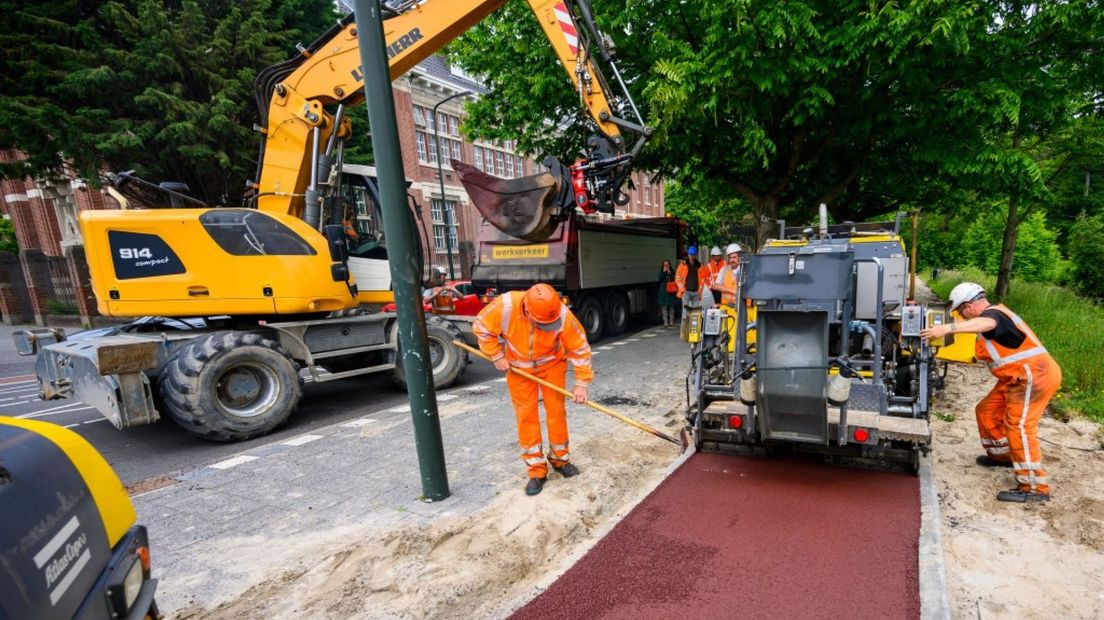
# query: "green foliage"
x,y
974,240
8,241
1071,328
788,104
56,306
1086,251
161,88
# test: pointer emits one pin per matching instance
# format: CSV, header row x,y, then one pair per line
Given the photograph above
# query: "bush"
x,y
56,306
1037,258
1086,251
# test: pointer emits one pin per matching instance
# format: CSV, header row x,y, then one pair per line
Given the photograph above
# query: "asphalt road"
x,y
164,449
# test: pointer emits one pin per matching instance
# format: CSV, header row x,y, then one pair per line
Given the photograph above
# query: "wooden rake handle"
x,y
593,405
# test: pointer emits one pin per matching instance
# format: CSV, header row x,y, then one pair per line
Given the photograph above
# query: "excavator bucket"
x,y
528,208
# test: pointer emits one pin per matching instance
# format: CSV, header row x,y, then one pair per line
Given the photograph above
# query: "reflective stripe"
x,y
558,446
1029,466
1032,480
1004,450
534,460
1003,441
1011,359
507,310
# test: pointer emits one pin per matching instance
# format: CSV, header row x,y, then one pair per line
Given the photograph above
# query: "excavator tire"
x,y
447,360
230,386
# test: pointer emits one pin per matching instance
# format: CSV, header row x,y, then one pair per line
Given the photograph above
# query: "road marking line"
x,y
649,335
358,423
4,381
234,462
300,440
30,389
594,352
56,411
617,344
401,409
632,340
96,420
500,380
604,348
444,397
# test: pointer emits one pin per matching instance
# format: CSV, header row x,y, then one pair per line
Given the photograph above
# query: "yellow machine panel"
x,y
204,262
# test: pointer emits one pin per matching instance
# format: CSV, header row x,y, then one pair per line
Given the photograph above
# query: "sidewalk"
x,y
330,524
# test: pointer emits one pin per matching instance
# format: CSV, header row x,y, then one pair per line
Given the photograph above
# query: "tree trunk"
x,y
1008,247
766,216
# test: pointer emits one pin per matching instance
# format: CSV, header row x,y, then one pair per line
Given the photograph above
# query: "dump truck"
x,y
821,353
607,269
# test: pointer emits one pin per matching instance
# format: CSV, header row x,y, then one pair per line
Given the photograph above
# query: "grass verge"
x,y
1071,328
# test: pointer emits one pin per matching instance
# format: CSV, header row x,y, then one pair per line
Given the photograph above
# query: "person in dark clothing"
x,y
667,296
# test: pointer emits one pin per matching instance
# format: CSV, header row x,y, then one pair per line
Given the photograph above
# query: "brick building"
x,y
50,275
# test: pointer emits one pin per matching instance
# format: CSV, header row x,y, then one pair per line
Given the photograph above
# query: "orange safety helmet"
x,y
542,305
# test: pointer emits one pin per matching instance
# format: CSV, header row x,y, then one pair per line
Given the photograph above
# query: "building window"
x,y
419,116
479,158
500,163
437,209
456,150
420,137
509,167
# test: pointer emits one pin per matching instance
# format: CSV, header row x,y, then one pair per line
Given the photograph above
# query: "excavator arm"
x,y
303,103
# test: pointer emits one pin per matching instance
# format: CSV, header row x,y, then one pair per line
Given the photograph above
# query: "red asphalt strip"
x,y
735,537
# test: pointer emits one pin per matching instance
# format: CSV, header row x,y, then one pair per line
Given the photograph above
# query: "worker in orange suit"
x,y
691,277
728,279
716,264
535,332
1027,378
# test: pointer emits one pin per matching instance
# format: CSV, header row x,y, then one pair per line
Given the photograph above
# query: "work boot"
x,y
567,471
534,486
1020,496
987,461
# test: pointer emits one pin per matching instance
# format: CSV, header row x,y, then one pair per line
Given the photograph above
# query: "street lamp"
x,y
441,177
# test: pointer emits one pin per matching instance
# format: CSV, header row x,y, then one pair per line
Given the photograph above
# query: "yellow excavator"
x,y
273,278
275,258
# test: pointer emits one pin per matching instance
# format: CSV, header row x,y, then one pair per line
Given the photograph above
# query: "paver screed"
x,y
735,537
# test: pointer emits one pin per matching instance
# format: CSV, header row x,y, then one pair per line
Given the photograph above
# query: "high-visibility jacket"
x,y
715,267
1007,363
350,231
1008,417
727,283
503,329
681,273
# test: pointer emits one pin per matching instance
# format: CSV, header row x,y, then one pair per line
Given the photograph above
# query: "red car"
x,y
467,304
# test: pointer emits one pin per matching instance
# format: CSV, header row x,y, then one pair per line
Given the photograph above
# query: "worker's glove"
x,y
579,394
502,364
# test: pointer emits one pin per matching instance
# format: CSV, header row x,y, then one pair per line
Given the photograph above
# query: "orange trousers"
x,y
1008,420
524,392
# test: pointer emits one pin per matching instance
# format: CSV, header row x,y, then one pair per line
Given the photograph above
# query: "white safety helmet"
x,y
716,251
733,248
964,292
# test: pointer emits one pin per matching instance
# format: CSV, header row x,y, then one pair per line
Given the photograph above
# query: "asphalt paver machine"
x,y
822,352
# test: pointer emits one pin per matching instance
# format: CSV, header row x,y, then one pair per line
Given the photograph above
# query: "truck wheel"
x,y
446,359
230,386
589,314
617,316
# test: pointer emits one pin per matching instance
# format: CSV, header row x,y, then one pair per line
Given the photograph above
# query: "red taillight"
x,y
735,421
861,435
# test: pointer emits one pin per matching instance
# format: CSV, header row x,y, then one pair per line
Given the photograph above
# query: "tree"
x,y
787,104
164,88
